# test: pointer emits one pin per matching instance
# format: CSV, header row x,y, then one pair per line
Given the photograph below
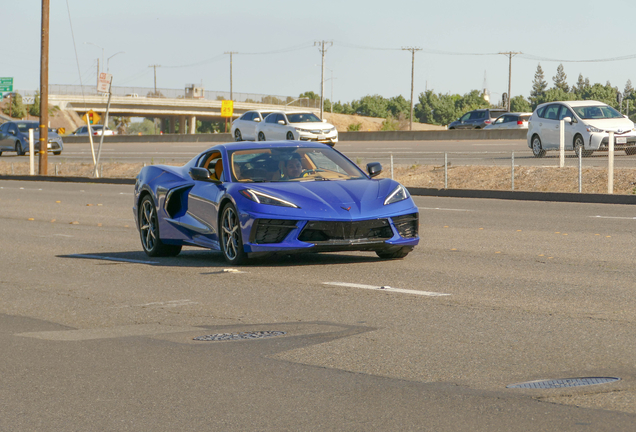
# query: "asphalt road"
x,y
97,336
482,152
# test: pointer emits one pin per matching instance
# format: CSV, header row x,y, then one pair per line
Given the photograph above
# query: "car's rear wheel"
x,y
394,253
18,148
237,135
149,231
290,136
57,153
231,239
537,150
579,147
261,136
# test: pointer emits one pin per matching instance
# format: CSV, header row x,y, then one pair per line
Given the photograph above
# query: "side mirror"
x,y
567,119
281,122
12,132
257,119
374,168
324,120
199,173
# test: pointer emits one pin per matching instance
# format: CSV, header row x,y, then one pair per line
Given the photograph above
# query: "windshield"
x,y
303,118
291,164
597,112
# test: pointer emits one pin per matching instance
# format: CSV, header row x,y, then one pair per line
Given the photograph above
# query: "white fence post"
x,y
561,143
610,164
512,178
31,151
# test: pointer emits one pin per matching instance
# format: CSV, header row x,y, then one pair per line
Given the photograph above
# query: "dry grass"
x,y
539,179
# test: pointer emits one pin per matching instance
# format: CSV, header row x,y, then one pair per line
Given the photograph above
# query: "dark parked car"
x,y
477,119
14,137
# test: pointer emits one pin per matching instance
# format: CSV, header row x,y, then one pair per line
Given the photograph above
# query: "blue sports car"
x,y
253,200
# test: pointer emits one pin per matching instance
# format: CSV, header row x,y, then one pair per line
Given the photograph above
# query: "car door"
x,y
476,119
549,127
463,121
569,128
499,123
5,142
203,202
248,125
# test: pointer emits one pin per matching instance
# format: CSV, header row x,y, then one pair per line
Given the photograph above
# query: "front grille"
x,y
407,225
271,230
320,231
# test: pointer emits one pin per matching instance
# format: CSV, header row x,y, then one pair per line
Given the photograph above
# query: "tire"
x,y
57,153
230,236
18,149
149,231
579,147
237,135
0,153
394,254
537,150
261,136
629,151
290,136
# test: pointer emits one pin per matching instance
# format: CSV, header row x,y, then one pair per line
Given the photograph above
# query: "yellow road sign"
x,y
92,117
227,108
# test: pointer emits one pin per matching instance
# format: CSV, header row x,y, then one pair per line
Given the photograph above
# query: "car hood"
x,y
312,125
614,125
334,199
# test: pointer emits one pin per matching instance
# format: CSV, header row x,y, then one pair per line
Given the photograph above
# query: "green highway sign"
x,y
6,88
6,80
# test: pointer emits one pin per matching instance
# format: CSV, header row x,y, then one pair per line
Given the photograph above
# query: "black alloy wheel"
x,y
261,136
579,147
290,136
18,148
237,135
231,239
149,231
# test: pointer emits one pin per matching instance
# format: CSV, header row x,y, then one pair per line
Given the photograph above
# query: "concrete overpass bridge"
x,y
178,110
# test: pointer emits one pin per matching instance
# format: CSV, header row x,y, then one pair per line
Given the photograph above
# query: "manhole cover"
x,y
239,336
567,382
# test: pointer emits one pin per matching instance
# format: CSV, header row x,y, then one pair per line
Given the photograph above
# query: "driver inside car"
x,y
293,168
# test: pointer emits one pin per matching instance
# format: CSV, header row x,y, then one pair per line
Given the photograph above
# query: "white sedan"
x,y
300,125
587,124
511,121
95,129
244,127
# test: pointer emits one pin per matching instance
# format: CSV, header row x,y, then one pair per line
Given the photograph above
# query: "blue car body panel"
x,y
188,210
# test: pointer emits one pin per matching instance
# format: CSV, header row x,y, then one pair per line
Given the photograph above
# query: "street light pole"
x,y
155,67
413,50
43,159
323,50
108,60
231,53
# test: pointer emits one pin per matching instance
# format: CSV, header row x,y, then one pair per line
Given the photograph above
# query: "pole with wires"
x,y
155,66
231,53
44,91
510,55
323,50
413,50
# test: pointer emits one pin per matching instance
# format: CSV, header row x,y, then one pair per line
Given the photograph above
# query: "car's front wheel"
x,y
231,239
261,136
18,148
149,231
537,150
579,147
237,135
395,253
57,153
290,136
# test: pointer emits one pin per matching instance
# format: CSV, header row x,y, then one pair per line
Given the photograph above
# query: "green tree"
x,y
34,109
554,94
520,104
580,87
371,106
309,95
17,108
602,93
539,86
204,126
560,79
145,127
397,106
437,108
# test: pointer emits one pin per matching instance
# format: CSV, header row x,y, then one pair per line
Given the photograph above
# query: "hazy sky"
x,y
275,40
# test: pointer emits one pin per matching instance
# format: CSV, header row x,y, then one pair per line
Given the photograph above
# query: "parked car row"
x,y
14,137
261,125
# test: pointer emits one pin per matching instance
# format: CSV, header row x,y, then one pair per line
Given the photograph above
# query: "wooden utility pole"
x,y
510,55
323,50
155,67
413,50
231,94
43,159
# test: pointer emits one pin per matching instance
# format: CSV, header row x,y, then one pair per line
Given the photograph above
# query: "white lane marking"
x,y
97,257
444,209
171,303
614,217
387,288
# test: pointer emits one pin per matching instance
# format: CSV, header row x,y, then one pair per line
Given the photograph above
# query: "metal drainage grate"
x,y
239,336
567,382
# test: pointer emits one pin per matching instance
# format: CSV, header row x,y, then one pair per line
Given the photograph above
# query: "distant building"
x,y
194,92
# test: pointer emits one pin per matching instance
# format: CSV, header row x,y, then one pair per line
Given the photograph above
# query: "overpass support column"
x,y
192,126
173,122
182,125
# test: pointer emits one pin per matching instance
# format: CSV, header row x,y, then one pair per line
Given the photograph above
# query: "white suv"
x,y
587,124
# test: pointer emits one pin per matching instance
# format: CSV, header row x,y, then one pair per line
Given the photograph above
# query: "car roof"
x,y
577,103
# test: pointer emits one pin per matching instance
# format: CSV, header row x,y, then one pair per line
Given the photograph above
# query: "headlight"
x,y
398,194
301,130
593,129
262,198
